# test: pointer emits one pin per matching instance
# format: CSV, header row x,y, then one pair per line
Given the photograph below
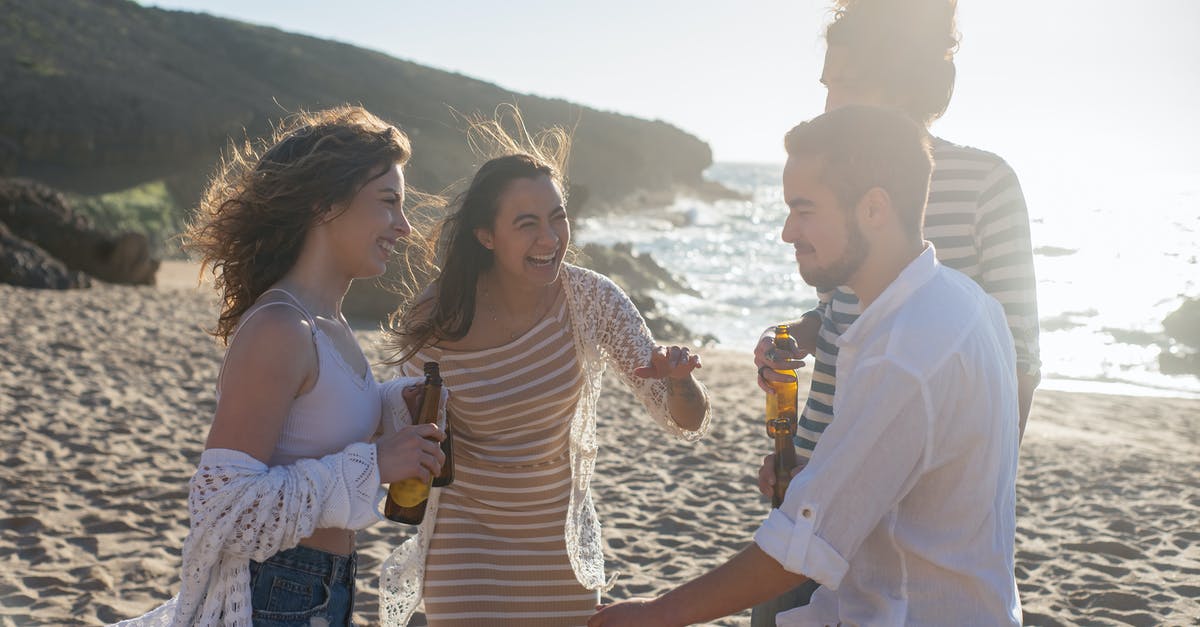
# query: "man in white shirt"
x,y
906,512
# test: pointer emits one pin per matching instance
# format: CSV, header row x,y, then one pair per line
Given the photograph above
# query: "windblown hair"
x,y
861,148
257,210
903,47
445,310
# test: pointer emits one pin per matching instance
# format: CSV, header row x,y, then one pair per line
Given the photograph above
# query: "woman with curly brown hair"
x,y
289,471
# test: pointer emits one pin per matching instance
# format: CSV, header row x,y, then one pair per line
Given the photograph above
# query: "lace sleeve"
x,y
626,344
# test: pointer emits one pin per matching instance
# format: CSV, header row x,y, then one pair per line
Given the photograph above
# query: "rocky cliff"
x,y
104,95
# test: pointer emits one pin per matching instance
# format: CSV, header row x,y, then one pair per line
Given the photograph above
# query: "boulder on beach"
x,y
638,275
1182,326
24,264
633,272
40,216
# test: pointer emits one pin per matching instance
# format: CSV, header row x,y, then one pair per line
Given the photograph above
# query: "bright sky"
x,y
1039,82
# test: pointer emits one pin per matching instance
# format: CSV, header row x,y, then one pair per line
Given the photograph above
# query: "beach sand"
x,y
106,395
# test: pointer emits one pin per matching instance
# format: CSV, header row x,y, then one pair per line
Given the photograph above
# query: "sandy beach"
x,y
106,395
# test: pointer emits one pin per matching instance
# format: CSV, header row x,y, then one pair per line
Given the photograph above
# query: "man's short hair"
x,y
863,147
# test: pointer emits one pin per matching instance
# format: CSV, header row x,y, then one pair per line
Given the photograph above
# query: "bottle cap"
x,y
433,373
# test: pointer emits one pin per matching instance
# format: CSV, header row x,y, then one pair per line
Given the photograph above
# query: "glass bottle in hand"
x,y
406,499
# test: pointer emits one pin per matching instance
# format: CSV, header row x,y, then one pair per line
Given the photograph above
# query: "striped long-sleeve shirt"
x,y
977,221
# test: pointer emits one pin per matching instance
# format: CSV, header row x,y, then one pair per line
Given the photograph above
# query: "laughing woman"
x,y
523,339
288,473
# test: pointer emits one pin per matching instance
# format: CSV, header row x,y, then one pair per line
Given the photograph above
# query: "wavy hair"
x,y
267,194
904,47
446,308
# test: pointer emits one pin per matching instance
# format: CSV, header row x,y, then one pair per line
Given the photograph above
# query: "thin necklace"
x,y
520,328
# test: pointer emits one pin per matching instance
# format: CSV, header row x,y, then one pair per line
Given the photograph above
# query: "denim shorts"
x,y
303,586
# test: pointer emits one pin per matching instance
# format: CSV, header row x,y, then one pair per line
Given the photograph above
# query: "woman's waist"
x,y
331,540
489,459
509,486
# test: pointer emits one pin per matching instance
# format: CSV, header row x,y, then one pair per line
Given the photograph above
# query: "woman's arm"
x,y
680,406
685,396
271,362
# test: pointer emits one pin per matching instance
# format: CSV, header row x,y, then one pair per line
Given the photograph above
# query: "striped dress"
x,y
978,223
498,553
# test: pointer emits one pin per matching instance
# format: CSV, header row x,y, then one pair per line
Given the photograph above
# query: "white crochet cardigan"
x,y
241,509
608,330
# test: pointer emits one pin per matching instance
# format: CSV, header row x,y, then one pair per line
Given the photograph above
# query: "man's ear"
x,y
485,238
875,207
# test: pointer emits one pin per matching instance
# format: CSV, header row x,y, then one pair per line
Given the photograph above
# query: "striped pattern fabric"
x,y
498,553
978,223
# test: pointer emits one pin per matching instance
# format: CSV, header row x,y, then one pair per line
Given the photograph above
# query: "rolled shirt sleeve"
x,y
868,459
795,545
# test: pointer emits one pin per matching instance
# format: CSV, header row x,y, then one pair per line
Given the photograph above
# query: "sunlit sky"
x,y
1065,79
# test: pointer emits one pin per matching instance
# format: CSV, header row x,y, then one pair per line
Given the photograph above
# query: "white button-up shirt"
x,y
906,512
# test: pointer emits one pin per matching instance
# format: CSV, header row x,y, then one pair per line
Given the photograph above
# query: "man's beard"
x,y
839,272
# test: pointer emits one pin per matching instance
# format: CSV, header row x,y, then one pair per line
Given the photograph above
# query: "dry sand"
x,y
106,395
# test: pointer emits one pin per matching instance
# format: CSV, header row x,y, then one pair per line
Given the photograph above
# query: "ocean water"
x,y
1110,267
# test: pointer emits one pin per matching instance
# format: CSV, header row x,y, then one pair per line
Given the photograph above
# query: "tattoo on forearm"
x,y
686,389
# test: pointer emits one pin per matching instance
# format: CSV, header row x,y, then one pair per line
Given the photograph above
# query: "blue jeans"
x,y
303,586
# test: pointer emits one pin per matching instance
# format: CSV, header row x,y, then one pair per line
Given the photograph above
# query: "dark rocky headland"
x,y
102,97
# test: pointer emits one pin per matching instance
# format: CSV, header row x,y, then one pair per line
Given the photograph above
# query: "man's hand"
x,y
766,474
768,358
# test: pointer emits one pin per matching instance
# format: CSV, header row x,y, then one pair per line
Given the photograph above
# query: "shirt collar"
x,y
913,276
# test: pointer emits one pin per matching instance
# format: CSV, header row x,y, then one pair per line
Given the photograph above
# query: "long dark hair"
x,y
258,208
447,308
906,48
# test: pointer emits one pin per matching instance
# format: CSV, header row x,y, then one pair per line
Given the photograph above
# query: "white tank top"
x,y
340,409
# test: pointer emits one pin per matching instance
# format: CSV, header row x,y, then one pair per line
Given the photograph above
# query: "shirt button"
x,y
807,513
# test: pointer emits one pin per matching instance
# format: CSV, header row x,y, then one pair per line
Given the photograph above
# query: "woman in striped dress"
x,y
522,339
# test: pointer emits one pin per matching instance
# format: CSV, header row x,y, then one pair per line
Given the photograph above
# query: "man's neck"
x,y
880,268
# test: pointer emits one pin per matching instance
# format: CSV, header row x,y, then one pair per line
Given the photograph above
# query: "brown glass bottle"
x,y
406,499
781,419
446,476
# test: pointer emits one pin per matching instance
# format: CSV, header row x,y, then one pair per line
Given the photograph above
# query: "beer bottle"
x,y
781,419
446,476
407,498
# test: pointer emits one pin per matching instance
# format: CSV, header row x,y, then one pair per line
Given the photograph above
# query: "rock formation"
x,y
46,244
1183,328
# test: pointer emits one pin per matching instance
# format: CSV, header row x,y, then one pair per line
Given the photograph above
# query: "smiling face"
x,y
365,232
530,233
830,247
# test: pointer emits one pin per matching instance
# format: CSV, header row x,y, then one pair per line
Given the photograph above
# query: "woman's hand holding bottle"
x,y
410,452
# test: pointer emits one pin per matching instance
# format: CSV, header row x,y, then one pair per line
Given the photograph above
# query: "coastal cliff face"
x,y
105,95
127,109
